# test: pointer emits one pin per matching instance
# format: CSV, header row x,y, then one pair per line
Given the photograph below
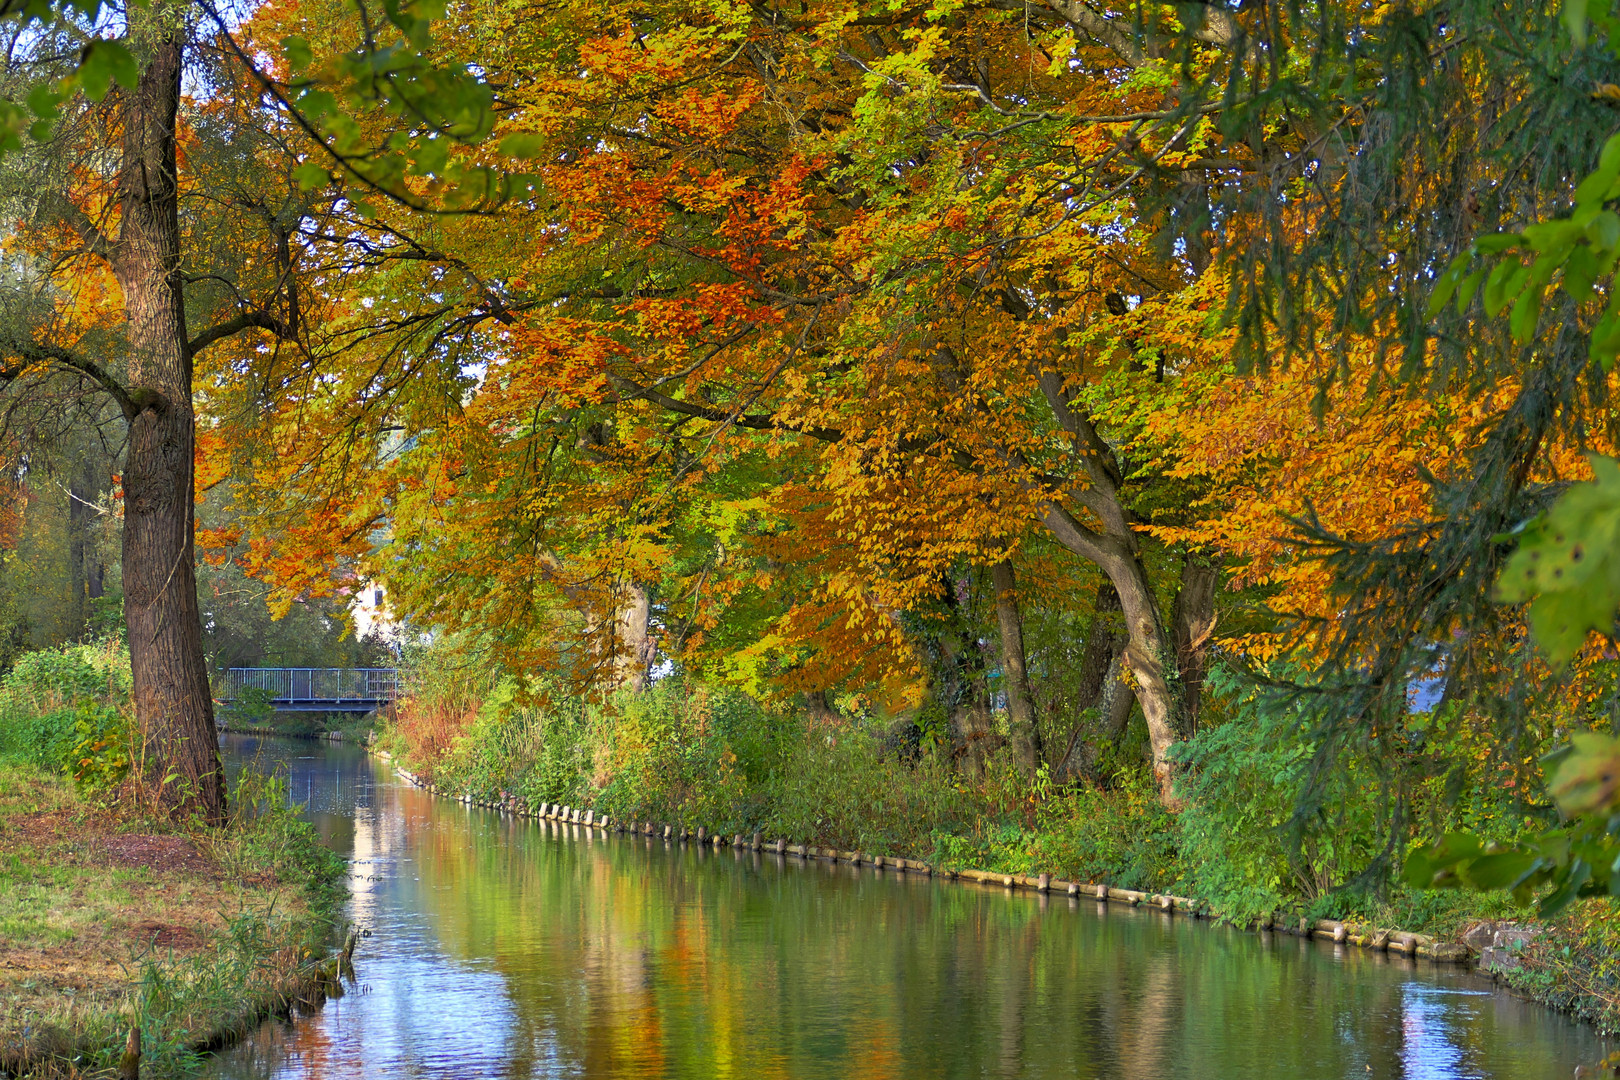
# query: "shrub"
x,y
67,710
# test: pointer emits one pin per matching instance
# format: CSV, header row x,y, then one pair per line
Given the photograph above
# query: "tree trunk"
x,y
963,686
1115,701
1150,657
1149,650
173,704
1026,736
632,644
84,574
1193,620
1103,644
1113,546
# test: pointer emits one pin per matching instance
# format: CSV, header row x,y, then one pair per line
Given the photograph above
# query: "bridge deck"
x,y
316,689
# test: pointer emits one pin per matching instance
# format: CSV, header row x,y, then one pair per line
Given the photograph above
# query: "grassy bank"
x,y
699,754
114,919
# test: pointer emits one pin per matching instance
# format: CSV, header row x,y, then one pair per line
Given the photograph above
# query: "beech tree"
x,y
867,250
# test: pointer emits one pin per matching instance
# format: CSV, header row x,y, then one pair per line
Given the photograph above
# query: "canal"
x,y
504,947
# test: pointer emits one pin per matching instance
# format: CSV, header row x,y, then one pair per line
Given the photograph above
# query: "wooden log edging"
x,y
1359,935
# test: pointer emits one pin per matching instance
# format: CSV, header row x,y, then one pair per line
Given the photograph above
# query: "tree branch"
x,y
37,353
753,421
235,325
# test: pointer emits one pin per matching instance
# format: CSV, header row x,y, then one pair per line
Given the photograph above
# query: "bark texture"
x,y
632,645
962,686
1026,738
173,703
1193,619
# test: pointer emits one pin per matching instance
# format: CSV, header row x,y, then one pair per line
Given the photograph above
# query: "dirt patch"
x,y
85,900
92,837
46,830
171,854
165,935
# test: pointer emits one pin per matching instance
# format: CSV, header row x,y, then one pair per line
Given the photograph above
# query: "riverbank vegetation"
x,y
117,916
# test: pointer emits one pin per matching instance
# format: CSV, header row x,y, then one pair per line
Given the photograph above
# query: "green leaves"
x,y
1561,865
1567,565
1585,247
390,112
311,176
523,145
357,103
1574,16
1588,777
101,64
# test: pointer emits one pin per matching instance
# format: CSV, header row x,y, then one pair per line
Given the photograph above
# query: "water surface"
x,y
505,947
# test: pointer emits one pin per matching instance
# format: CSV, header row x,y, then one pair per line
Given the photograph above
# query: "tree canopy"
x,y
997,365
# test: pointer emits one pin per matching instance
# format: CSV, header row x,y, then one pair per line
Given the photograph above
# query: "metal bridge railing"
x,y
294,685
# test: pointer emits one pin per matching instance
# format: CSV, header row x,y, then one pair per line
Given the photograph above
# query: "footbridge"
x,y
315,689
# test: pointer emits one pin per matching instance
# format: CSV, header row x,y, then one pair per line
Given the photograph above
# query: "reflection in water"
x,y
510,948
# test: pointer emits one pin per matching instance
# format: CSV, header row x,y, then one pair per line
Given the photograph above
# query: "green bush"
x,y
686,751
67,709
98,758
250,707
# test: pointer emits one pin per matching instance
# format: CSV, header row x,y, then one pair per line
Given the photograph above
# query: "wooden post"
x,y
1102,892
758,842
1044,883
703,833
1074,889
129,1065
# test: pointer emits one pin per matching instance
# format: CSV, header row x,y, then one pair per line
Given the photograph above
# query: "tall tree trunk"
x,y
83,576
1151,660
1193,620
1026,736
963,686
632,644
1103,644
172,700
1113,546
1149,650
1097,685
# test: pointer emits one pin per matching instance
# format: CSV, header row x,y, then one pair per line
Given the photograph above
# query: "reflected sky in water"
x,y
510,948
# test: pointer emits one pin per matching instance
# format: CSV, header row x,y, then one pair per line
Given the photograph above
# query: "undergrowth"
x,y
688,752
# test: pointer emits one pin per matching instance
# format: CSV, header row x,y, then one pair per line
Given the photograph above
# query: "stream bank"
x,y
189,937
